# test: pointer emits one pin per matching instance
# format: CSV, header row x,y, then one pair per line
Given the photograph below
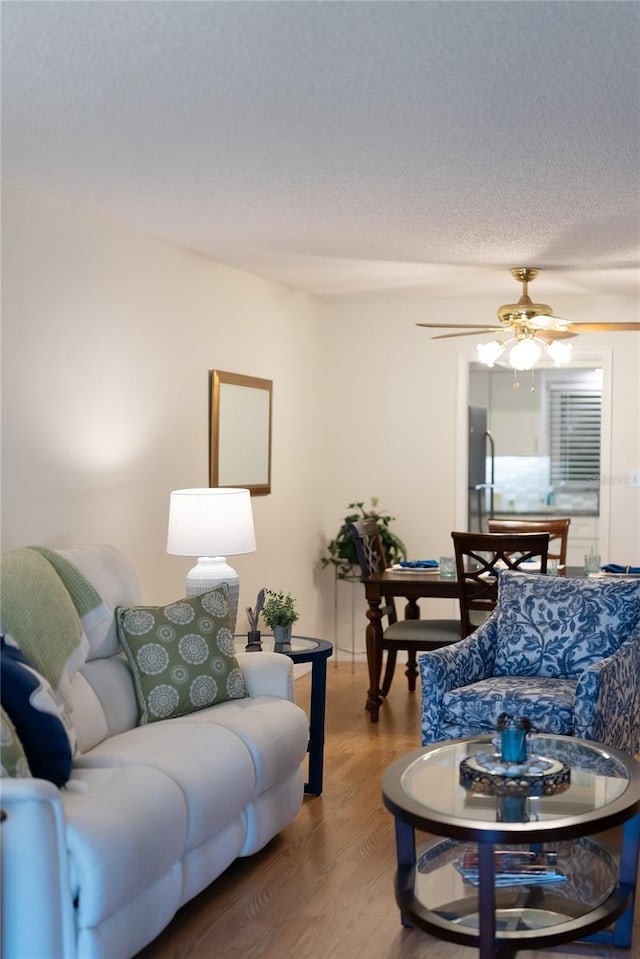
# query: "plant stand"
x,y
353,579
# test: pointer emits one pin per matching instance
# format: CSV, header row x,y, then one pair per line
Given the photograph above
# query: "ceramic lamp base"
x,y
210,571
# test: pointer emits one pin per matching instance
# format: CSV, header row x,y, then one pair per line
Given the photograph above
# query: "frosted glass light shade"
x,y
524,355
210,522
488,353
559,352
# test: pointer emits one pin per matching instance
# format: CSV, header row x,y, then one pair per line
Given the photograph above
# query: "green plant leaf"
x,y
341,551
279,608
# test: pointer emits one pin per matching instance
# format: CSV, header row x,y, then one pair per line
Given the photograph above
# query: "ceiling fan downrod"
x,y
525,309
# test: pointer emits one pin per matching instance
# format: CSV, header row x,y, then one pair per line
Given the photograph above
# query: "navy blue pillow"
x,y
29,701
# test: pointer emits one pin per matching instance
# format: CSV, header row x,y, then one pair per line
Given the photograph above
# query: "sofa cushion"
x,y
38,716
13,761
275,733
181,655
551,626
212,769
547,702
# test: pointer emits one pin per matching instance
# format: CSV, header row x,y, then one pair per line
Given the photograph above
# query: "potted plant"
x,y
279,613
341,549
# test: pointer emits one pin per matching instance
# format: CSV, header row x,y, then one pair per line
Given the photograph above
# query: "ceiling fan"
x,y
531,327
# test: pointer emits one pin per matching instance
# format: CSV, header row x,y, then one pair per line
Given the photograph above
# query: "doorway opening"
x,y
546,447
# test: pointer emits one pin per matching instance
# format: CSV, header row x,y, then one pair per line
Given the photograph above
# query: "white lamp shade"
x,y
210,522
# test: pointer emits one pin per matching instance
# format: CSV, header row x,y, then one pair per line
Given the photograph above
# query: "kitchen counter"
x,y
552,511
541,514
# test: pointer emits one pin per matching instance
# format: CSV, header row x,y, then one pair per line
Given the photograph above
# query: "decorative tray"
x,y
488,775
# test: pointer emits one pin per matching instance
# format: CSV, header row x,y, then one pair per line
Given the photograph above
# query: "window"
x,y
575,414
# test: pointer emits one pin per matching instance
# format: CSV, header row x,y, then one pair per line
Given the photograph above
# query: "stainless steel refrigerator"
x,y
481,471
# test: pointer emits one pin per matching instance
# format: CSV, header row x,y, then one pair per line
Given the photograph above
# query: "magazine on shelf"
x,y
512,867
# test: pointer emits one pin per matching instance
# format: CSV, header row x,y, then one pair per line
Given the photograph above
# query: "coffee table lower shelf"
x,y
433,895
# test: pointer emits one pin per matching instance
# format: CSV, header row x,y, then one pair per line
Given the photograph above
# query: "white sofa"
x,y
152,814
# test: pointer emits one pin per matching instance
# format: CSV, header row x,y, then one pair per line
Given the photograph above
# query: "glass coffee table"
x,y
589,885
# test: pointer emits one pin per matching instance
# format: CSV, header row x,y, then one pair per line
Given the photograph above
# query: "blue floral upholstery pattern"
x,y
545,701
608,699
579,691
551,626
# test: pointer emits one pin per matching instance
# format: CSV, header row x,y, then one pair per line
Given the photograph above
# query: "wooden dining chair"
x,y
479,560
558,529
412,635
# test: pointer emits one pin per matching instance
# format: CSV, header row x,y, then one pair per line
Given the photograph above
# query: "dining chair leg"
x,y
388,672
411,671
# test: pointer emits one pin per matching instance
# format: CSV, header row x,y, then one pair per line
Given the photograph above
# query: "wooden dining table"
x,y
412,586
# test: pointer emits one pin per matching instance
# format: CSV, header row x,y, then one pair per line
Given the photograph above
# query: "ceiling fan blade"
x,y
555,334
459,326
604,327
476,332
547,321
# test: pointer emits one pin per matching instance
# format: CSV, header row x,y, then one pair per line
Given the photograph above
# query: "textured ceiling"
x,y
343,147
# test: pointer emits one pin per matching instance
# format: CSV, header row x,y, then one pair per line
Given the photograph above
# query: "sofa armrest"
x,y
607,704
450,667
267,674
37,907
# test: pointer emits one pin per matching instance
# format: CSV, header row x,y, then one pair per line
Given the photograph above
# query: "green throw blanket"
x,y
46,605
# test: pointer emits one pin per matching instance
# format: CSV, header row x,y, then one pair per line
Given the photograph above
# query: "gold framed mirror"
x,y
240,431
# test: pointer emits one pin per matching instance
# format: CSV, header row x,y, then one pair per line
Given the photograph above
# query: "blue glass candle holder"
x,y
512,809
513,737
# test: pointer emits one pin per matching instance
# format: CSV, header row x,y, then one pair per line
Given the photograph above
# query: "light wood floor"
x,y
323,889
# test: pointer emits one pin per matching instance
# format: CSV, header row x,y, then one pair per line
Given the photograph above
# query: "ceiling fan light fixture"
x,y
524,355
488,353
559,352
532,327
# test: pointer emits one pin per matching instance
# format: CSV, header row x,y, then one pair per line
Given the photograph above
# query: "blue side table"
x,y
305,649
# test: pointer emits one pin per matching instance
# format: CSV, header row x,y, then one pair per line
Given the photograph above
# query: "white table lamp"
x,y
211,524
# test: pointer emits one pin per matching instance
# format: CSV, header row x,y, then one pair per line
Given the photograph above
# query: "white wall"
x,y
108,337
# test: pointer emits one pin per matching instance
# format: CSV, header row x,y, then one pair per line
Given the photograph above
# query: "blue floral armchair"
x,y
564,652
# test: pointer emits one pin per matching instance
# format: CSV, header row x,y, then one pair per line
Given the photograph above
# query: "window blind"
x,y
574,435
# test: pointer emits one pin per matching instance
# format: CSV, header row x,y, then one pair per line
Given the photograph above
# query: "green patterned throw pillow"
x,y
181,655
13,763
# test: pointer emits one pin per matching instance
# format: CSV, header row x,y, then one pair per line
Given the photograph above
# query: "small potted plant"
x,y
279,613
341,549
